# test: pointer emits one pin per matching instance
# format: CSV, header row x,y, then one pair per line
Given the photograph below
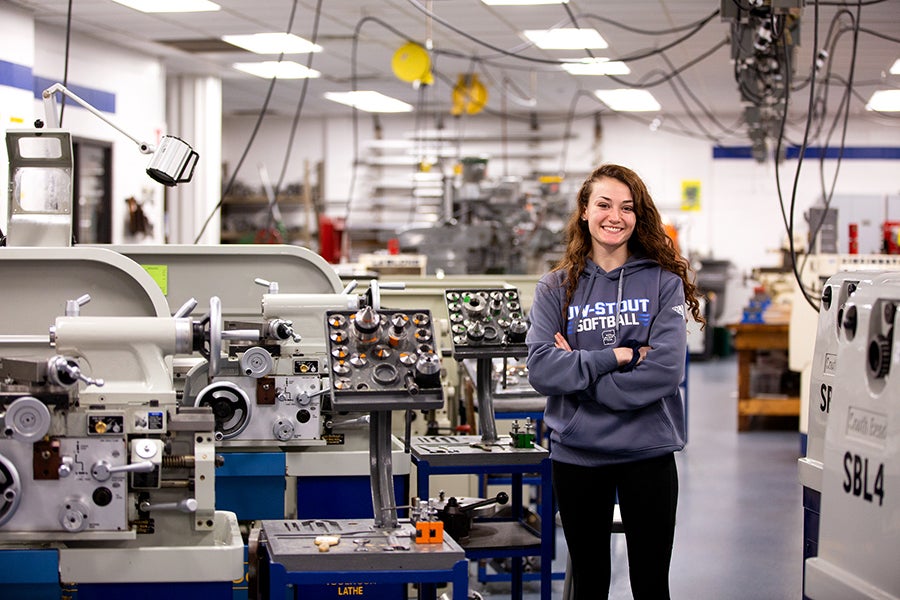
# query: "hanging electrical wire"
x,y
65,81
675,72
567,131
708,113
314,37
790,226
841,115
253,134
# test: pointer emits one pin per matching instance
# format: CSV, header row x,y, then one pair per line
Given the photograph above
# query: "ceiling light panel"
x,y
170,6
285,69
272,43
369,101
596,66
566,38
522,2
884,101
628,100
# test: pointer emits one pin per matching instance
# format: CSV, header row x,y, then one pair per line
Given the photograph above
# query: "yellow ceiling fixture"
x,y
412,64
469,95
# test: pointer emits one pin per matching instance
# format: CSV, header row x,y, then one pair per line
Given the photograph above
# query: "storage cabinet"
x,y
92,191
766,386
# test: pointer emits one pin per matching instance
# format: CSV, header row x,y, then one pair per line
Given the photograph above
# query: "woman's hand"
x,y
561,343
624,354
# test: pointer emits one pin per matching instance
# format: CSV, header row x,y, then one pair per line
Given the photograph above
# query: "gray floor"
x,y
739,531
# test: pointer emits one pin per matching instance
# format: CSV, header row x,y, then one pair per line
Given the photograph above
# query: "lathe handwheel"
x,y
230,406
10,490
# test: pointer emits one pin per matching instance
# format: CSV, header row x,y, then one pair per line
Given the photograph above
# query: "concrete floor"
x,y
740,516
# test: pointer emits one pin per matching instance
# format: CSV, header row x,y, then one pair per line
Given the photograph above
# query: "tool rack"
x,y
488,324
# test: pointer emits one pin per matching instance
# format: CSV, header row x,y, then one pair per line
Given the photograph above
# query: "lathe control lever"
x,y
186,308
373,294
65,372
304,398
188,505
102,470
272,285
73,307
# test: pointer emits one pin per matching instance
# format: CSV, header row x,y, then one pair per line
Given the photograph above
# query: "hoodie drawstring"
x,y
619,298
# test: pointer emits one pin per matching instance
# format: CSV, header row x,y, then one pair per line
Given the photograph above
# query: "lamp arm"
x,y
50,113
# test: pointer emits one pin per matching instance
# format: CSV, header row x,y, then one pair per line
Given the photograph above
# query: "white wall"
x,y
16,46
195,111
138,81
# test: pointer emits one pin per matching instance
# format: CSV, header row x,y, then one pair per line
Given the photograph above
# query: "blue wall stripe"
x,y
21,77
16,76
732,152
815,152
103,101
851,152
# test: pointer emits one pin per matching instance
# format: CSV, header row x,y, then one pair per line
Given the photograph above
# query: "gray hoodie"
x,y
596,413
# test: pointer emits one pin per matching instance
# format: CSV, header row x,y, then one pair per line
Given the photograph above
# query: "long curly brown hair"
x,y
648,239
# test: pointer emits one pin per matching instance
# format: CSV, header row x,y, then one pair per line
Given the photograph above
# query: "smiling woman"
x,y
609,215
607,347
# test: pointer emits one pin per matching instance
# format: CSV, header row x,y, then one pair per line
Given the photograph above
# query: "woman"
x,y
607,346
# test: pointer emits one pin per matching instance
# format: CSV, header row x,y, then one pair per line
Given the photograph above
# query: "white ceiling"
x,y
382,26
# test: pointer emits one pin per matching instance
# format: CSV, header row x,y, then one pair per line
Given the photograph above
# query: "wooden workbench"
x,y
750,338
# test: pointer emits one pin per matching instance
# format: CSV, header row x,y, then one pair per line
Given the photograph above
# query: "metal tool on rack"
x,y
457,514
382,361
379,360
486,324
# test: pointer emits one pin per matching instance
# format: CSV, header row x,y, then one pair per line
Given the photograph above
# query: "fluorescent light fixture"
x,y
895,69
566,38
286,69
170,6
884,101
596,66
272,43
628,100
522,2
369,101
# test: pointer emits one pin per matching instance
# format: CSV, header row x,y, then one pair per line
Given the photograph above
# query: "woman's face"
x,y
609,214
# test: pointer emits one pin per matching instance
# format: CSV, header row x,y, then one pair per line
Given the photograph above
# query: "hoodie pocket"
x,y
596,428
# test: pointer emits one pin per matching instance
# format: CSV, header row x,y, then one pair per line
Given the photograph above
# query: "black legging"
x,y
648,496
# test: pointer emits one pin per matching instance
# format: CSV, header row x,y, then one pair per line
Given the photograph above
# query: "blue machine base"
x,y
344,497
29,574
251,485
812,503
220,590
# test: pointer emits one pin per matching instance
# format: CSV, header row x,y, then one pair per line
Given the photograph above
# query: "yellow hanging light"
x,y
412,64
469,95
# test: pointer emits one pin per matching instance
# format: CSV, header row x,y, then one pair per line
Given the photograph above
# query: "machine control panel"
x,y
383,360
283,409
486,323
